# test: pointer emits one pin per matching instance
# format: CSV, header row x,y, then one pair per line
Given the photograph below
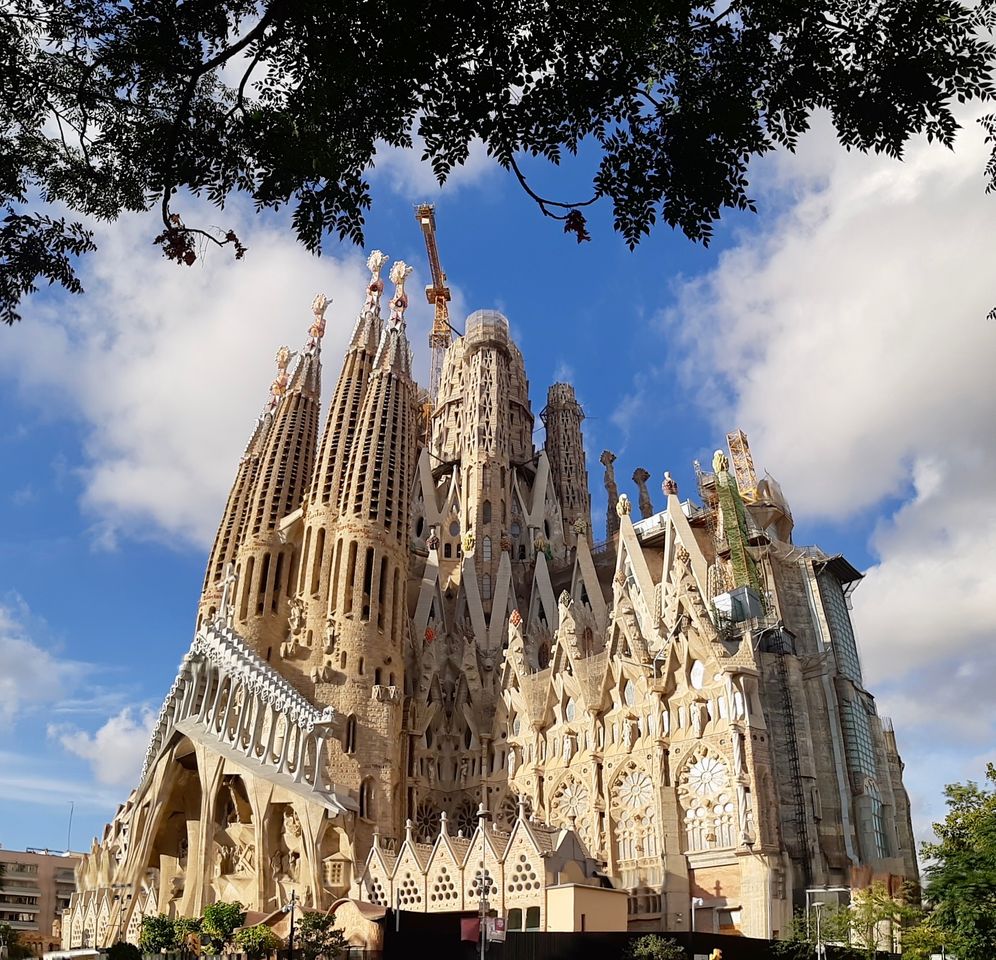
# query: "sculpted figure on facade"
x,y
640,478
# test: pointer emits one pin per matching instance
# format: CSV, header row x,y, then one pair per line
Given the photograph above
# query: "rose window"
x,y
572,800
707,776
635,790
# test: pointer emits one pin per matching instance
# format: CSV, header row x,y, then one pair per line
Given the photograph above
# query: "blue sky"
x,y
843,327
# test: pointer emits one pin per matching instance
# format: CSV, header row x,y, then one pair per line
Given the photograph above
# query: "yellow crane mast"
x,y
438,294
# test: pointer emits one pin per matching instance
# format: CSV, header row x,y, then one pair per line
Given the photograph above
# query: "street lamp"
x,y
818,906
483,816
696,902
289,908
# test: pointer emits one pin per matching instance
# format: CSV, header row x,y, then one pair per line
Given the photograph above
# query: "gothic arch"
x,y
632,804
707,798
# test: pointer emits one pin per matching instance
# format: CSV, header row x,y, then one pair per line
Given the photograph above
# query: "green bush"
x,y
157,934
123,951
219,924
653,947
315,937
257,942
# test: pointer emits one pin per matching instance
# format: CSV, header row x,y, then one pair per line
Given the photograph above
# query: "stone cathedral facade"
x,y
417,677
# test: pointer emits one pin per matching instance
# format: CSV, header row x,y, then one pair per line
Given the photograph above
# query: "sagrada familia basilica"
x,y
419,678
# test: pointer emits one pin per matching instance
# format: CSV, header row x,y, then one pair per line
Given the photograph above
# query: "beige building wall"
x,y
34,890
574,907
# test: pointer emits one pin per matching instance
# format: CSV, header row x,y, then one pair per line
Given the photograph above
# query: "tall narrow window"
x,y
334,591
368,564
366,799
302,573
486,512
486,548
399,606
381,591
316,565
350,577
486,587
350,742
247,589
264,576
277,582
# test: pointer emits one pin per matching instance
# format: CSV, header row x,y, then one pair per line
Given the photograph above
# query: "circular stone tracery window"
x,y
635,790
707,776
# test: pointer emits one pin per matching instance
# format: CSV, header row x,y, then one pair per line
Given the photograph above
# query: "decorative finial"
x,y
318,307
279,386
408,830
669,486
443,827
623,505
522,806
719,462
400,272
375,263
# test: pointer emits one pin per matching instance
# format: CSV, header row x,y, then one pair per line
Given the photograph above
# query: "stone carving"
x,y
505,543
623,505
432,543
375,263
279,386
295,617
330,637
580,526
607,459
469,541
720,463
640,478
318,307
400,273
669,486
229,590
515,618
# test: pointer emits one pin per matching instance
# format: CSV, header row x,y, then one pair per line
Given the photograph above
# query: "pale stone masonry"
x,y
406,633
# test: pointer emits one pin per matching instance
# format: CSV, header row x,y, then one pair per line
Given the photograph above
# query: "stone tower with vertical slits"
x,y
307,648
562,418
363,677
266,563
233,520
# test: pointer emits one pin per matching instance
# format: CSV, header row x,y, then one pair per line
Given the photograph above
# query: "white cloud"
x,y
849,338
167,366
407,174
116,750
30,676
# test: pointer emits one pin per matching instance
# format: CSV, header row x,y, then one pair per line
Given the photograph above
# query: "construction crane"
x,y
438,294
743,465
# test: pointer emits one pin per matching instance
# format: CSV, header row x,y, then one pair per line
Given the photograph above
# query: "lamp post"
x,y
483,907
818,906
289,908
696,902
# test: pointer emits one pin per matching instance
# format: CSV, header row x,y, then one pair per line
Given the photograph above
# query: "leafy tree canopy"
x,y
961,871
127,105
123,951
653,947
256,942
316,938
157,934
218,924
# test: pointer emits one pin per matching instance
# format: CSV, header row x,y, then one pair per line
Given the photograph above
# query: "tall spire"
x,y
232,525
340,427
367,612
263,560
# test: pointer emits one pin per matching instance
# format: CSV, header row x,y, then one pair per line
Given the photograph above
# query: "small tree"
x,y
800,939
157,934
219,924
653,947
188,933
257,942
316,938
878,918
123,951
